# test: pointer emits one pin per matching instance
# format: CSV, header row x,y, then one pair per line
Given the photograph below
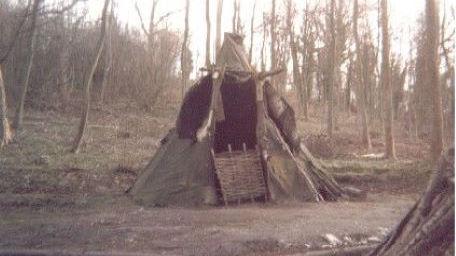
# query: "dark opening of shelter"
x,y
239,125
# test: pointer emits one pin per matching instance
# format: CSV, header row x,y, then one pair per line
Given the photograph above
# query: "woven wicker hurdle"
x,y
241,175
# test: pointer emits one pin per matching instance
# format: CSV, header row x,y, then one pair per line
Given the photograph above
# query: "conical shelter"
x,y
235,140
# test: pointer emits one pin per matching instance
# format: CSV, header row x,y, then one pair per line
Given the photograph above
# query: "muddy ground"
x,y
53,200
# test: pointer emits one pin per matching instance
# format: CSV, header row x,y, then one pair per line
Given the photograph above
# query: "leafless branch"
x,y
160,19
60,10
143,27
166,15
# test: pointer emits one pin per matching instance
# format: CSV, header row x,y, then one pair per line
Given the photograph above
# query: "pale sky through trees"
x,y
403,15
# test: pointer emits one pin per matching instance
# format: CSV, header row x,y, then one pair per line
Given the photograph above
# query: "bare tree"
x,y
184,54
252,21
218,33
151,33
331,65
360,92
386,84
236,20
233,20
5,131
348,84
341,28
87,88
158,71
398,76
422,101
294,58
449,75
208,35
432,74
108,54
239,27
263,61
31,41
273,40
307,47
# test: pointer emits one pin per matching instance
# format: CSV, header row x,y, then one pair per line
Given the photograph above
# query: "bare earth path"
x,y
120,226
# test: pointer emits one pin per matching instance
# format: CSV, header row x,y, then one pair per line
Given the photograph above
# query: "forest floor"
x,y
51,199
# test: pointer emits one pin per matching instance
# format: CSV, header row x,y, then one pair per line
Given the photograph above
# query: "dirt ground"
x,y
120,226
51,199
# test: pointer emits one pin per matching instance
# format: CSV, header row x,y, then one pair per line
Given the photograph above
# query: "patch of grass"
x,y
382,175
40,154
377,166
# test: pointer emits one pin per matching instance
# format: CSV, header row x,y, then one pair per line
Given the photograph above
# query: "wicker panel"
x,y
240,175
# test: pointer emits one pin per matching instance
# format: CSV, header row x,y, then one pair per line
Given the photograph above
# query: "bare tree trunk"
x,y
263,61
297,78
331,71
307,50
208,35
108,55
398,90
151,33
273,42
85,114
386,84
450,71
184,54
31,41
233,21
5,131
360,95
432,73
302,91
218,27
238,18
340,47
252,20
348,85
309,79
